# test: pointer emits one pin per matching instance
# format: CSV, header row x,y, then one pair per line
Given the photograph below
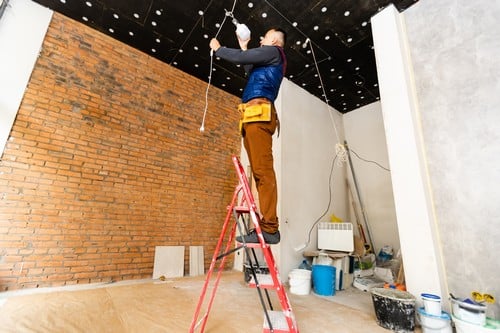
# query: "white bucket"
x,y
300,281
434,324
471,313
432,304
462,326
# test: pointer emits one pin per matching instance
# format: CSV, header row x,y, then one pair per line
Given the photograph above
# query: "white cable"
x,y
340,150
230,13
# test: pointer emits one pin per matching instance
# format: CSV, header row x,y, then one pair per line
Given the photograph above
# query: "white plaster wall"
x,y
22,30
365,135
305,152
455,47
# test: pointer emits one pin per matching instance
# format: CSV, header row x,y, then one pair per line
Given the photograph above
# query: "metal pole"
x,y
359,196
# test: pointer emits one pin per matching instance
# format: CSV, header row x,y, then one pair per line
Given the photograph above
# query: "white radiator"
x,y
335,236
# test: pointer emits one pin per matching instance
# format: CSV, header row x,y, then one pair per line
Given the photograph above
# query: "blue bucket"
x,y
323,280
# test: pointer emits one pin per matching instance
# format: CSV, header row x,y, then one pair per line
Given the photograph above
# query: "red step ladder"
x,y
243,204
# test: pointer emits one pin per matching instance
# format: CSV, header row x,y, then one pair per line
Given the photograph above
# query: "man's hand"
x,y
214,44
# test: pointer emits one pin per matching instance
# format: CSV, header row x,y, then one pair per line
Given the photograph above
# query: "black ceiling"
x,y
177,32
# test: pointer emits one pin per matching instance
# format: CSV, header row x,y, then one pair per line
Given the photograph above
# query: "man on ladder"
x,y
265,67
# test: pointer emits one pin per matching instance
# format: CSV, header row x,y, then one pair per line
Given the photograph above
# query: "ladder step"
x,y
254,245
265,281
278,321
241,209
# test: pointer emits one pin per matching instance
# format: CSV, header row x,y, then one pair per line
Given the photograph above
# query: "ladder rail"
x,y
194,323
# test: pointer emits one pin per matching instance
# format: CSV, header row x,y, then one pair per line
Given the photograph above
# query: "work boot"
x,y
252,237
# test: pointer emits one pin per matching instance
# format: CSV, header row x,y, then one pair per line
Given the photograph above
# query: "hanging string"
x,y
227,14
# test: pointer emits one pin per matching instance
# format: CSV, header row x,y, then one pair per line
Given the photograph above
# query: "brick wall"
x,y
105,161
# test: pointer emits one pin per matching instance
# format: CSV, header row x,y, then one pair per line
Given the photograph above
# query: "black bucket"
x,y
395,309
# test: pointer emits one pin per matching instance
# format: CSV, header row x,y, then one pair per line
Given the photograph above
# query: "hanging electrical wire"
x,y
226,15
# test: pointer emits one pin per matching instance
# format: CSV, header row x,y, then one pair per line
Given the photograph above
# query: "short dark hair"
x,y
283,32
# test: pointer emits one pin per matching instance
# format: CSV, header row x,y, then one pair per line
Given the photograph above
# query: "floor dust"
x,y
156,306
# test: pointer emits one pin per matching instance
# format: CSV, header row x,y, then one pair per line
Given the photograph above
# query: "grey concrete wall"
x,y
455,52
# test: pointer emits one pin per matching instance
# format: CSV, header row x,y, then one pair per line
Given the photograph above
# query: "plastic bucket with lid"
x,y
300,281
432,304
434,324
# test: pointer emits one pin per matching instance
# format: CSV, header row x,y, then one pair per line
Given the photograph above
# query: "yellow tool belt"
x,y
252,112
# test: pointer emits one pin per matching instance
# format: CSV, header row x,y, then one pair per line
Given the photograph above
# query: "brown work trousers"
x,y
258,140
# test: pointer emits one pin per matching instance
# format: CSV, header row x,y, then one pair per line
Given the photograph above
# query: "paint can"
x,y
432,304
300,281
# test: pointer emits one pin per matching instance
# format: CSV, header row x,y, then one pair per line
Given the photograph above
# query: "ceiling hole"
x,y
115,15
347,13
264,15
158,12
136,15
324,9
88,3
85,18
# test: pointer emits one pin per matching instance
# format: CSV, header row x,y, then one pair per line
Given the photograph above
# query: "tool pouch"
x,y
254,112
